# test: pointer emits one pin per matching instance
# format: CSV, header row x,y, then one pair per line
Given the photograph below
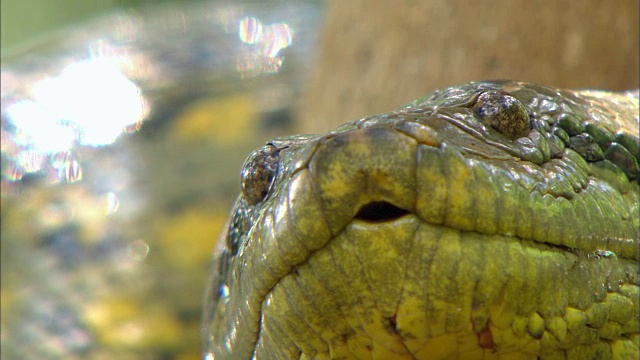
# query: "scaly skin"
x,y
428,233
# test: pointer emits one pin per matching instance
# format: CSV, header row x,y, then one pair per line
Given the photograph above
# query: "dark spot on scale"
x,y
393,322
485,339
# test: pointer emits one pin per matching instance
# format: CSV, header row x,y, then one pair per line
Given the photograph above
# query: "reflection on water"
x,y
95,86
268,41
121,146
90,103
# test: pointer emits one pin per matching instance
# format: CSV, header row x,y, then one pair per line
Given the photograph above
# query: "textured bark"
x,y
379,54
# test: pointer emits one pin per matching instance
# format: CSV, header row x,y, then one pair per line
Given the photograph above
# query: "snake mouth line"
x,y
377,212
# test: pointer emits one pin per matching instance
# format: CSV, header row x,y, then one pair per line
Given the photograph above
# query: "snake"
x,y
490,220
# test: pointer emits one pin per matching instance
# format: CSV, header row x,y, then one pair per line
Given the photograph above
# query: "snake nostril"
x,y
380,211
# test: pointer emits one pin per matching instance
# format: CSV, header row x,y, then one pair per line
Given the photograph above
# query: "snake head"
x,y
488,218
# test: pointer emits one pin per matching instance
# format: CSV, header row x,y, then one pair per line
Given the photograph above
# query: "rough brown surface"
x,y
379,54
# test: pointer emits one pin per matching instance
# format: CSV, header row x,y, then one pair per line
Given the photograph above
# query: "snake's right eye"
x,y
258,173
504,113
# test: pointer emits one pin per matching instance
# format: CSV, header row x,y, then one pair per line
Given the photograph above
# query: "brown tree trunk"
x,y
379,54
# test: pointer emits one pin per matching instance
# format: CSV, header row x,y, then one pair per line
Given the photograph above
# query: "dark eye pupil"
x,y
504,113
258,173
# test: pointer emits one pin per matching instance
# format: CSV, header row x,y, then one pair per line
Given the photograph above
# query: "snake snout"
x,y
354,179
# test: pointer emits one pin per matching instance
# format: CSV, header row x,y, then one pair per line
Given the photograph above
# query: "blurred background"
x,y
124,125
377,55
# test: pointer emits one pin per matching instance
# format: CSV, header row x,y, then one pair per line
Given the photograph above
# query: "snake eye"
x,y
504,113
258,173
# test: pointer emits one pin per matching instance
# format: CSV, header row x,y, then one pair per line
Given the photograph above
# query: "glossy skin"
x,y
490,220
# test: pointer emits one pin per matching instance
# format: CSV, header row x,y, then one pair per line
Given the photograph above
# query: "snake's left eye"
x,y
258,173
504,113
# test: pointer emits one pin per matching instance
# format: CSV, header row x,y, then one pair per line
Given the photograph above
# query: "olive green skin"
x,y
441,230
